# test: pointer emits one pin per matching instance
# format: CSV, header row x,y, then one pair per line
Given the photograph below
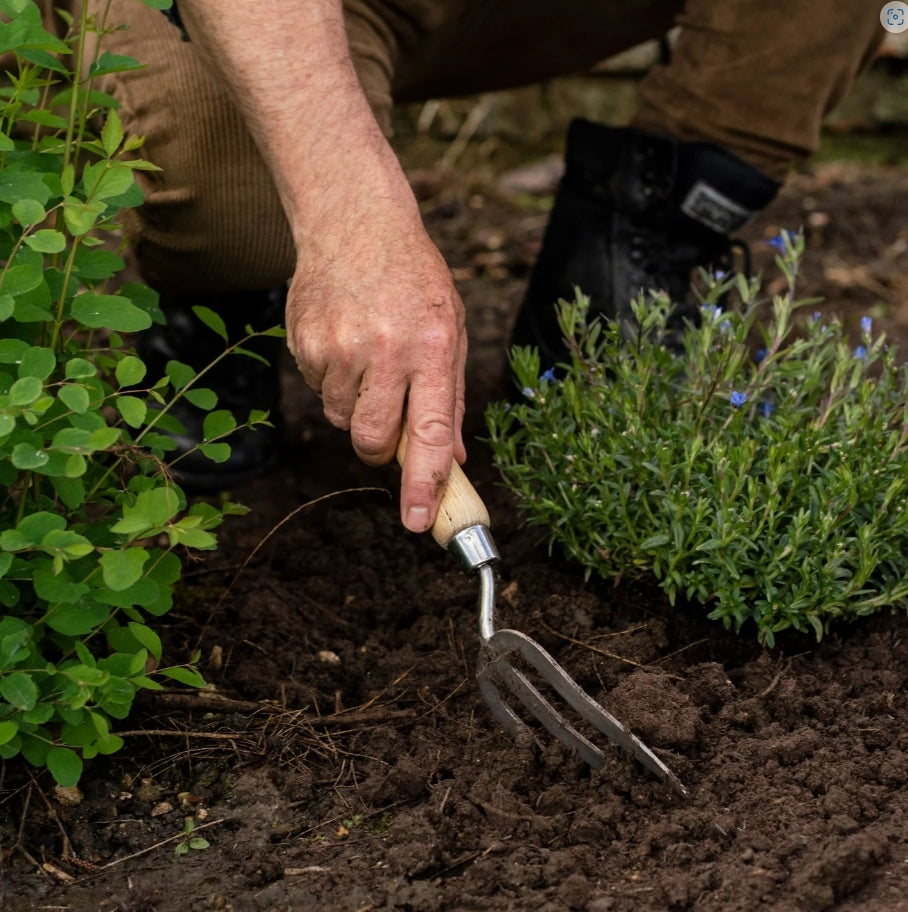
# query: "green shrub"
x,y
92,525
762,472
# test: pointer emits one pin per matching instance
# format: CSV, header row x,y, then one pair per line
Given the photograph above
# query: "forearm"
x,y
289,69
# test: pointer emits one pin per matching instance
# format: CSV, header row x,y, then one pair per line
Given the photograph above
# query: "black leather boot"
x,y
241,383
635,211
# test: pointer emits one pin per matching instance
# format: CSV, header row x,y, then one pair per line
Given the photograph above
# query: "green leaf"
x,y
144,298
45,118
212,320
17,184
130,370
218,424
7,306
70,490
25,391
188,676
73,440
35,746
112,63
41,714
104,438
80,217
26,456
80,369
68,179
21,279
29,212
75,397
132,409
110,312
112,134
12,351
216,452
37,526
47,240
9,597
19,690
78,620
58,589
159,504
147,638
65,766
109,744
76,466
8,730
105,180
120,569
93,265
67,542
180,374
14,647
192,537
202,397
38,362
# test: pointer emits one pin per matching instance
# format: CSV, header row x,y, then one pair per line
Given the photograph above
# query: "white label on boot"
x,y
708,206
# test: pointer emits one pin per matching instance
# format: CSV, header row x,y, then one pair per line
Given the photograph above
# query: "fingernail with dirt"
x,y
417,519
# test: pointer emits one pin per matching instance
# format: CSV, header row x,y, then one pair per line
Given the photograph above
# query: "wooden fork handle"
x,y
460,508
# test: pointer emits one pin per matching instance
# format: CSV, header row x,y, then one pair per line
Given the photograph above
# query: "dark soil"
x,y
346,760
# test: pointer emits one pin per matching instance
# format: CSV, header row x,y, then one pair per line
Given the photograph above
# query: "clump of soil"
x,y
345,759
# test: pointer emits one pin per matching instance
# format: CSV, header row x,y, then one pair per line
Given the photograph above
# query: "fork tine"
x,y
537,704
507,641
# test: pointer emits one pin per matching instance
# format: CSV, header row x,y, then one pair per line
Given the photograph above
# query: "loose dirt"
x,y
345,759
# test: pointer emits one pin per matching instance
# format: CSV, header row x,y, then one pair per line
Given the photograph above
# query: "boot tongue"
x,y
719,190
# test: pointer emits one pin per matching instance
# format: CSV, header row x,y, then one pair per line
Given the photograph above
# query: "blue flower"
x,y
860,351
548,375
738,398
760,355
767,408
783,240
720,274
529,392
866,325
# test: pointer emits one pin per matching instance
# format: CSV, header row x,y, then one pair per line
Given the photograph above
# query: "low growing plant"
x,y
92,524
189,841
761,472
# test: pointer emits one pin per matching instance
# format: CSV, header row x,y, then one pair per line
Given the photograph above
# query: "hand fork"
x,y
462,526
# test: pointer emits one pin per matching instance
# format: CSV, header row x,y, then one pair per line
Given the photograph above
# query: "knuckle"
x,y
371,443
432,430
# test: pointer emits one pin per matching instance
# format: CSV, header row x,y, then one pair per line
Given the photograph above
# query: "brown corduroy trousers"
x,y
754,76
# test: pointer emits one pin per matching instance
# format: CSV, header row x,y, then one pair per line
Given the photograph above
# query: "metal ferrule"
x,y
474,546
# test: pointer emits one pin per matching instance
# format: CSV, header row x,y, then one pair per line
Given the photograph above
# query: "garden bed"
x,y
346,760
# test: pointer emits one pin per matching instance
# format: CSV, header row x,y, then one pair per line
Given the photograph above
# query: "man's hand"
x,y
373,318
379,332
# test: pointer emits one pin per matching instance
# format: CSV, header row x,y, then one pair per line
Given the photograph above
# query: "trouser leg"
x,y
757,78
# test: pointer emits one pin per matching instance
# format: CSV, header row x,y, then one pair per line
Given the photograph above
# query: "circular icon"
x,y
894,17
